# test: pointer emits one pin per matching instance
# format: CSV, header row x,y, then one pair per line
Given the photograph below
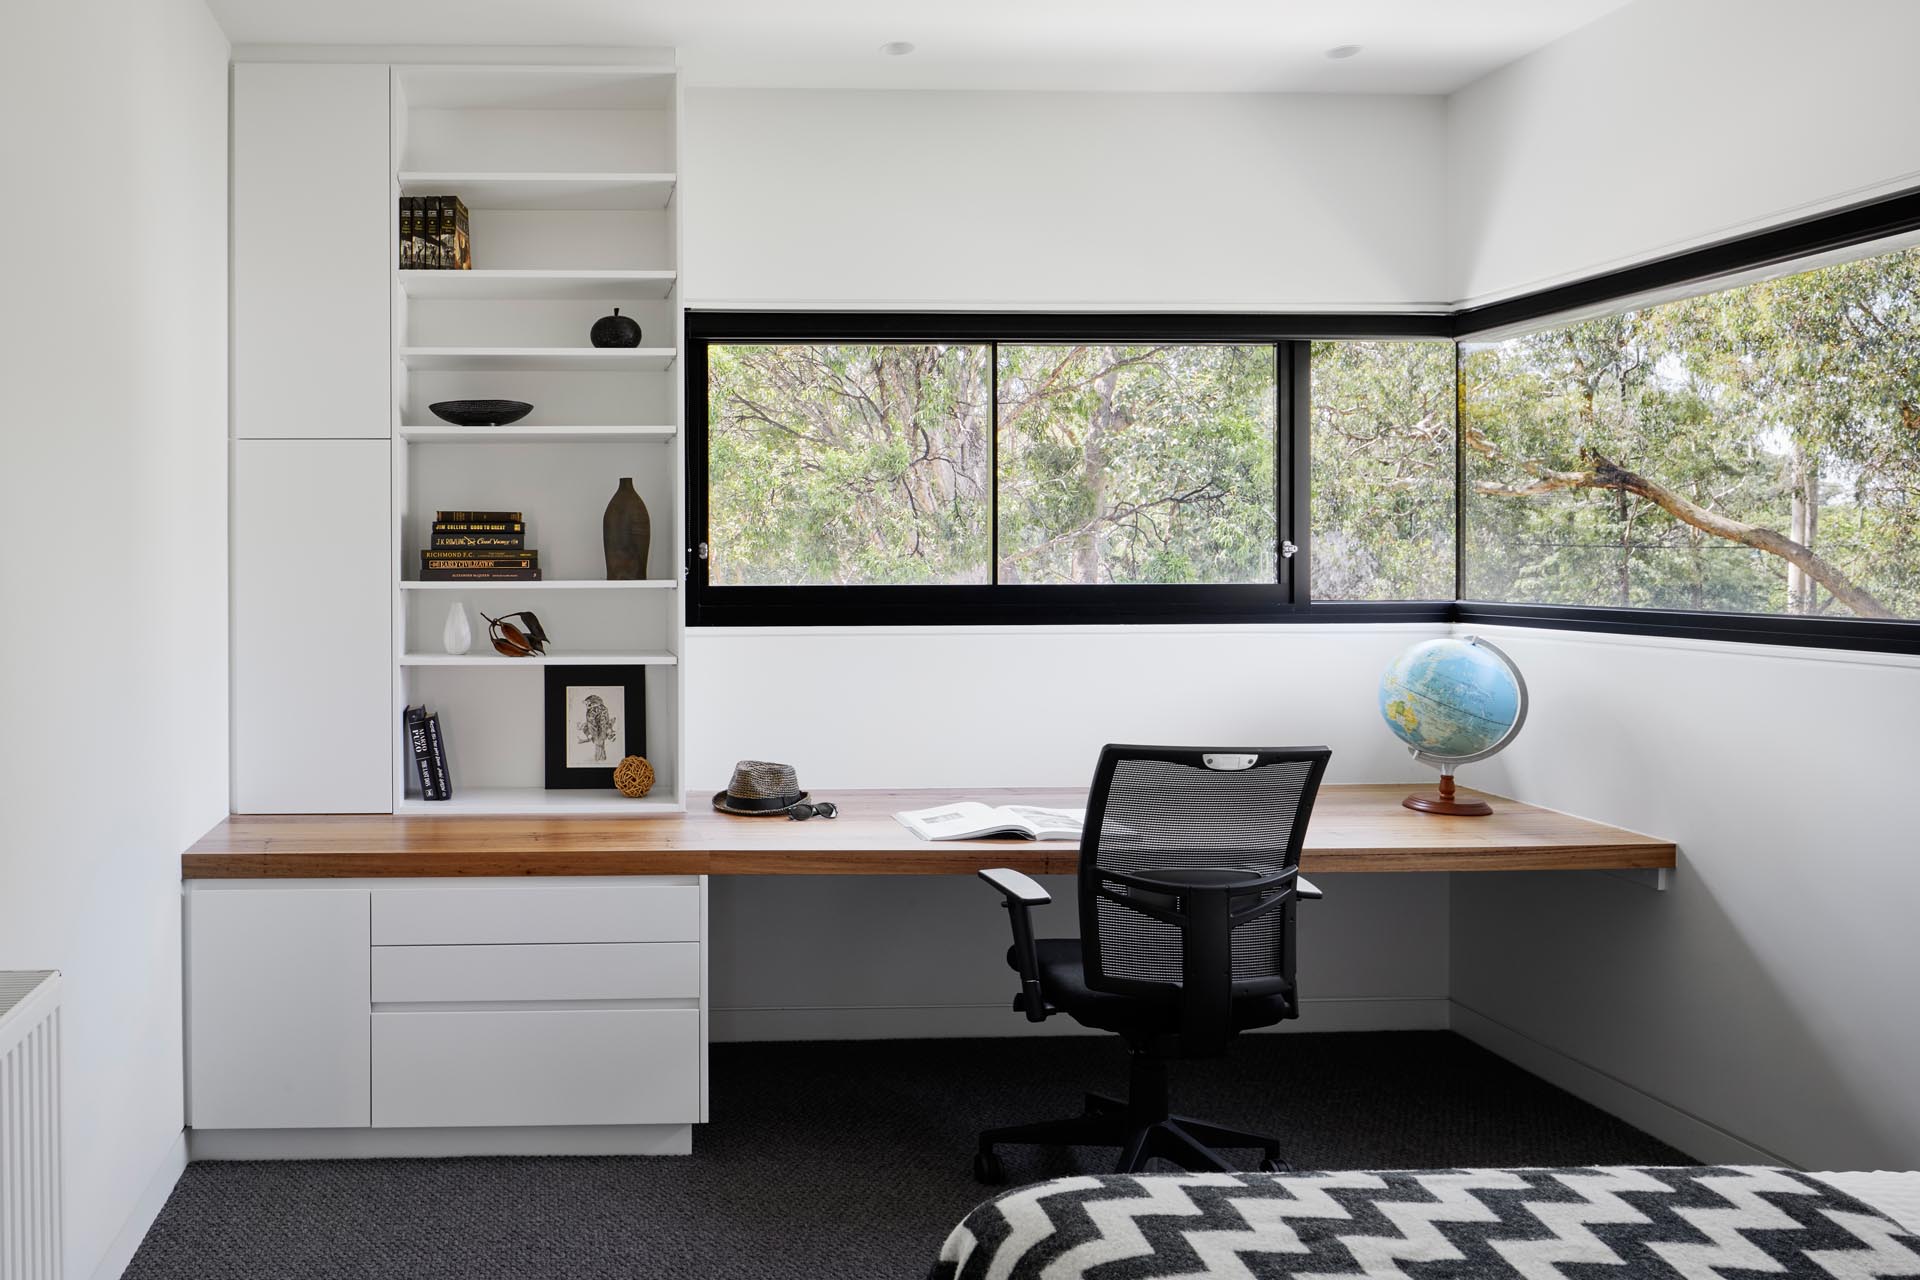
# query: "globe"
x,y
1453,701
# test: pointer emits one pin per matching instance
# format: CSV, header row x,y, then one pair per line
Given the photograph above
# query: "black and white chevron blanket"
x,y
1712,1223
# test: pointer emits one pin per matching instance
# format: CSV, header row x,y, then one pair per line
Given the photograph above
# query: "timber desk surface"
x,y
1354,828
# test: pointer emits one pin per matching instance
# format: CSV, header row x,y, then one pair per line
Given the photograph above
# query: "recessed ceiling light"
x,y
897,48
1343,51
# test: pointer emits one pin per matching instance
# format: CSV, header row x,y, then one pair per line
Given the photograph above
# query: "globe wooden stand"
x,y
1446,803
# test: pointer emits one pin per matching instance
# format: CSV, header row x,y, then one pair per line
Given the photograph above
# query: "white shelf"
x,y
539,359
546,191
477,658
607,286
533,800
520,433
545,584
569,87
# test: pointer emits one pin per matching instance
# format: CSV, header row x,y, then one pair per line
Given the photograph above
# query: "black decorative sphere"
x,y
615,330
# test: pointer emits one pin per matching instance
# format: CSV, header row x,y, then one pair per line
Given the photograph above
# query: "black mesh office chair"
x,y
1189,878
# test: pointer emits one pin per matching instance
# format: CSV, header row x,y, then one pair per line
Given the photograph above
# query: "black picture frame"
x,y
566,769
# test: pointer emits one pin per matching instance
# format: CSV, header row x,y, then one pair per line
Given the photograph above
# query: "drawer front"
x,y
536,1067
538,971
560,913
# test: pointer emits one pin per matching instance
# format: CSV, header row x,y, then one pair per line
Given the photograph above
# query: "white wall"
x,y
1769,994
1670,123
1177,201
1764,1007
913,956
113,493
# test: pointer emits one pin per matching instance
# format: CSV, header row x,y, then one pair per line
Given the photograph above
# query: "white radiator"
x,y
30,1221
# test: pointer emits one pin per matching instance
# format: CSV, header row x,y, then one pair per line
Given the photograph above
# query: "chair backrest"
x,y
1191,808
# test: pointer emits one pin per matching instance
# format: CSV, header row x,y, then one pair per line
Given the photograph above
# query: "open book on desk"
x,y
970,820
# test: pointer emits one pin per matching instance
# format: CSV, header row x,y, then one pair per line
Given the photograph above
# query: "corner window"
x,y
1752,450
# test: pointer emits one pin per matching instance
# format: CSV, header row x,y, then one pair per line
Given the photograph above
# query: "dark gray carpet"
x,y
851,1159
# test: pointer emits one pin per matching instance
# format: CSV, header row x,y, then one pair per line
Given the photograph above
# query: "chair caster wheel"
x,y
1268,1164
987,1170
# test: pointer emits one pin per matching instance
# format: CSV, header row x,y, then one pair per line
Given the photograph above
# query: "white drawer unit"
x,y
535,1016
642,912
537,972
536,1067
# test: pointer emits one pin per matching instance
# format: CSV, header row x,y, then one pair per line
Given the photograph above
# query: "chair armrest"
x,y
1017,887
1019,894
1306,888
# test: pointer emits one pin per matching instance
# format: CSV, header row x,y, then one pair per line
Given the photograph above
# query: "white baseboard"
x,y
1701,1139
366,1144
113,1264
923,1022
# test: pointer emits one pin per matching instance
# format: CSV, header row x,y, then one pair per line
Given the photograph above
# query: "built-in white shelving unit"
x,y
538,359
570,177
478,285
568,192
519,433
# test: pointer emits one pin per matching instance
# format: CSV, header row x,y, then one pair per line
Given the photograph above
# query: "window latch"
x,y
1288,550
701,551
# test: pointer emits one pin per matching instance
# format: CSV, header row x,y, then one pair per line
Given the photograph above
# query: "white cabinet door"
x,y
277,1009
313,222
313,729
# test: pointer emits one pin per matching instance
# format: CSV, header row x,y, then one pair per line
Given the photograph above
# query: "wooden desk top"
x,y
1354,828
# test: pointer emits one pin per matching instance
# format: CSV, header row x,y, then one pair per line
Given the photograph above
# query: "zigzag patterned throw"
x,y
1712,1223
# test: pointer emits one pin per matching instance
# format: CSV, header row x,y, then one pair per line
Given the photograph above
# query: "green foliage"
x,y
848,465
1789,404
1382,470
1137,464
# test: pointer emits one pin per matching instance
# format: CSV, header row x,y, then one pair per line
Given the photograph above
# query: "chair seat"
x,y
1063,981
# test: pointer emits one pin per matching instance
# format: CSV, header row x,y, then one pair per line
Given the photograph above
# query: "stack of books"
x,y
479,546
433,234
429,754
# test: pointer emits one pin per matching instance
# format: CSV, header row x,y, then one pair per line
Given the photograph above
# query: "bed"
x,y
1710,1222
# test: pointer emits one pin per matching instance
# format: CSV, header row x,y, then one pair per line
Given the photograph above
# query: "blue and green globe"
x,y
1453,700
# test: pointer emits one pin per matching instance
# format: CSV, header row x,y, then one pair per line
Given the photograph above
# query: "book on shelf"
x,y
428,753
515,528
478,553
430,562
479,575
478,517
434,234
970,820
448,541
437,759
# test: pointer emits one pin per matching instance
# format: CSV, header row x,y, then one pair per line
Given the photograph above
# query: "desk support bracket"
x,y
1659,879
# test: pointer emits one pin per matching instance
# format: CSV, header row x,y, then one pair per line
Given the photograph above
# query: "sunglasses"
x,y
511,640
802,811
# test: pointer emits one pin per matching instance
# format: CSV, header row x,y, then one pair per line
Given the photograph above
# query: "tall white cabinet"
x,y
570,175
310,246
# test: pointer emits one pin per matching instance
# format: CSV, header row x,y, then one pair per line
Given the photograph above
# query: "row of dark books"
x,y
479,546
429,753
433,234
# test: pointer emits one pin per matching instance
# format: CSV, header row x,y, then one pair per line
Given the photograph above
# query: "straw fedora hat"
x,y
760,789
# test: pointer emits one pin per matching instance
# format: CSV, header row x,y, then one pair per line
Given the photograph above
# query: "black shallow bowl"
x,y
481,413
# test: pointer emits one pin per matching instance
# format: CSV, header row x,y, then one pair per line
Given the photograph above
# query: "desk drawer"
x,y
638,912
536,972
536,1067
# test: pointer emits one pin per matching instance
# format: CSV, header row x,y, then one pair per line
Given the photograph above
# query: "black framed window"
x,y
1722,443
861,468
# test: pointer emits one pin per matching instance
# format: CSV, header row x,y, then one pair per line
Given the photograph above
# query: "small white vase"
x,y
458,633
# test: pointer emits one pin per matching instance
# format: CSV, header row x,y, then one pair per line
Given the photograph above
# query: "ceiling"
x,y
1241,46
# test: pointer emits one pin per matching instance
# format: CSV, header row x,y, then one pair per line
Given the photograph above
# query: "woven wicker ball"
x,y
634,776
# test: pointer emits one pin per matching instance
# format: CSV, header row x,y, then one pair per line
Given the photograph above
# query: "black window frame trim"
x,y
1285,600
1781,245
